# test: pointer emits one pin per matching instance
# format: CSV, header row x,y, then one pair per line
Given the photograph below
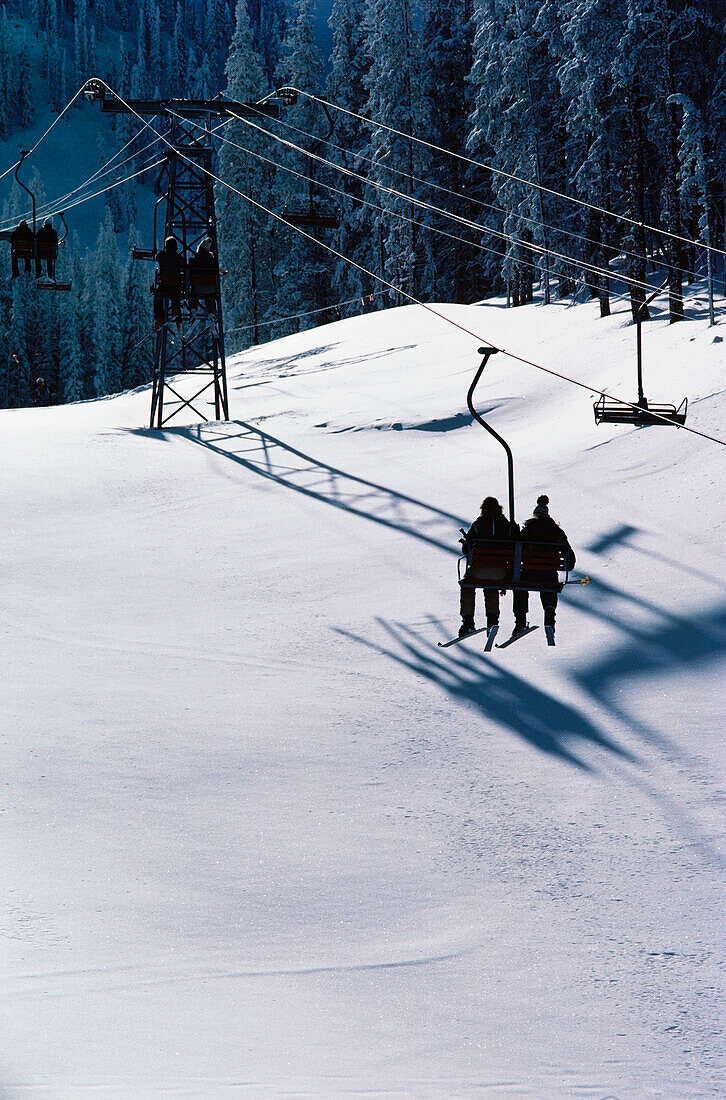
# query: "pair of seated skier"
x,y
492,526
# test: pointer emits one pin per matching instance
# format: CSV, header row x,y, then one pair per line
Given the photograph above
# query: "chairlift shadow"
x,y
496,694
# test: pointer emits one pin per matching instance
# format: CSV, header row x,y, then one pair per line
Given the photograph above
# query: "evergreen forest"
x,y
461,149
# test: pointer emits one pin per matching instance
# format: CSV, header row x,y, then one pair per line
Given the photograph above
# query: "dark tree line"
x,y
620,104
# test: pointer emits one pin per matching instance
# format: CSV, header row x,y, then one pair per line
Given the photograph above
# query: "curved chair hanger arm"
x,y
487,353
640,315
23,154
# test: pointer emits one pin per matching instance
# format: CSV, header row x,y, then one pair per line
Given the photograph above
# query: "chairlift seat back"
x,y
24,247
46,250
203,289
490,561
173,285
515,564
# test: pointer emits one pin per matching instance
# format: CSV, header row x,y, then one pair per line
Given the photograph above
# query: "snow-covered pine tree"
x,y
446,44
268,19
715,118
651,29
71,368
514,127
302,268
81,41
176,56
243,230
23,105
591,116
346,87
105,301
136,322
394,99
217,35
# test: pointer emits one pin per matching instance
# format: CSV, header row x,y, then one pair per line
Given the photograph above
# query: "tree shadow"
x,y
287,363
624,536
671,642
266,456
666,646
498,695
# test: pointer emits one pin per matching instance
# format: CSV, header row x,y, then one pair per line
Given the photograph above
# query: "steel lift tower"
x,y
195,345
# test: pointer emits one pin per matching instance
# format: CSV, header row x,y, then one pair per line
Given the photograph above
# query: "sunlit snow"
x,y
260,835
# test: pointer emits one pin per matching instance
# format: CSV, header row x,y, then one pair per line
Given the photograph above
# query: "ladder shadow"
x,y
271,458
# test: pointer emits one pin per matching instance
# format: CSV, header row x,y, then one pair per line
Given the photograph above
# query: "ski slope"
x,y
260,836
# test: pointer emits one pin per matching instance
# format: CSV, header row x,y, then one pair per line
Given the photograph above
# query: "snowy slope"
x,y
260,836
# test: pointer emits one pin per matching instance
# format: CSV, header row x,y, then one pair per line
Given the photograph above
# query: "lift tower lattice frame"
x,y
186,185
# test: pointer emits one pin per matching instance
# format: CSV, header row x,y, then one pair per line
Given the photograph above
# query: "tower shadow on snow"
x,y
266,456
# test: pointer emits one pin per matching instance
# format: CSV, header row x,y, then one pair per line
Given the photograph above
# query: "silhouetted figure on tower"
x,y
170,283
22,247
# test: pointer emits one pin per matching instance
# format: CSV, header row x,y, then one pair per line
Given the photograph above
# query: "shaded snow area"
x,y
261,837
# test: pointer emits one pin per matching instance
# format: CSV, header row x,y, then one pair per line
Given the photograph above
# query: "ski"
x,y
516,637
491,635
453,641
550,632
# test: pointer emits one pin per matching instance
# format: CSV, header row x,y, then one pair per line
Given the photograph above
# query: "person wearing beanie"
x,y
203,277
491,526
541,528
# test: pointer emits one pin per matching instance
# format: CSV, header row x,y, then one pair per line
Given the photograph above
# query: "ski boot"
x,y
519,626
467,625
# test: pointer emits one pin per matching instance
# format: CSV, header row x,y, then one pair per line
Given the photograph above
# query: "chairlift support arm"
x,y
638,322
487,353
23,154
95,90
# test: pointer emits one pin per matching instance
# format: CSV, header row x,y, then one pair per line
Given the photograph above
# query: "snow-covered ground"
x,y
260,835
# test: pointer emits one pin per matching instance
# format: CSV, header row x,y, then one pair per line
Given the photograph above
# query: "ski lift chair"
x,y
48,250
310,217
29,249
514,565
642,412
170,286
517,564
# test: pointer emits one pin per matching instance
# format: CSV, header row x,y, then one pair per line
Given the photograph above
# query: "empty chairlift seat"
x,y
615,412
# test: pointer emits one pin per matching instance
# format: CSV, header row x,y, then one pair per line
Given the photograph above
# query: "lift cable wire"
x,y
477,245
107,168
110,187
500,172
60,205
44,135
531,245
537,222
399,290
309,313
